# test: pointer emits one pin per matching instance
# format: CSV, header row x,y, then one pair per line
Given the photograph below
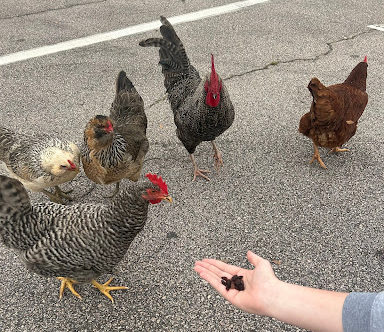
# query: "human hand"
x,y
260,283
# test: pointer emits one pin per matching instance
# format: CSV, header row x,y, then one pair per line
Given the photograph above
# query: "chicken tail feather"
x,y
169,33
127,99
172,52
358,76
123,83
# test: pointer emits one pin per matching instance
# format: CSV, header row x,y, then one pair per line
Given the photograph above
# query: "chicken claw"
x,y
68,283
316,155
105,289
197,171
337,149
200,172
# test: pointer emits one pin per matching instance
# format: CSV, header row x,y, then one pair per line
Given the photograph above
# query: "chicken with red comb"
x,y
202,108
155,196
115,146
76,244
39,161
335,111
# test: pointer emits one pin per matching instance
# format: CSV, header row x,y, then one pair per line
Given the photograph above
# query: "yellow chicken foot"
x,y
197,171
117,187
316,155
218,157
105,289
337,149
68,283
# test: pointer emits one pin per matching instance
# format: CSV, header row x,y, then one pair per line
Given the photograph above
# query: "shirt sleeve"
x,y
363,312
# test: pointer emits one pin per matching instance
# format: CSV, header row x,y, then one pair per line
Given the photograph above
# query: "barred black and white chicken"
x,y
76,243
202,109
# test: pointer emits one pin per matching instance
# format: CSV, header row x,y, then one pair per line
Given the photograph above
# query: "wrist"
x,y
309,308
271,297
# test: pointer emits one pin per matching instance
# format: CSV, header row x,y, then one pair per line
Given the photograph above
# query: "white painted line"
x,y
135,29
377,27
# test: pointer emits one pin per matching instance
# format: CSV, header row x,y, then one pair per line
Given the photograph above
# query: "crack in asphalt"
x,y
157,101
315,58
52,9
275,63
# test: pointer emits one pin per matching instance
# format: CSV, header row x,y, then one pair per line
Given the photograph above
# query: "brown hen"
x,y
115,145
335,111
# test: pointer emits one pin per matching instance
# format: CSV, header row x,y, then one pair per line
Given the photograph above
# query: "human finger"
x,y
253,258
231,269
220,273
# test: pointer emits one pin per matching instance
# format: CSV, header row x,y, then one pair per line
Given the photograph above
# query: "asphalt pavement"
x,y
325,226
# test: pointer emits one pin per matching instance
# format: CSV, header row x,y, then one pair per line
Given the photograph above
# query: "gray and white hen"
x,y
202,109
39,162
76,243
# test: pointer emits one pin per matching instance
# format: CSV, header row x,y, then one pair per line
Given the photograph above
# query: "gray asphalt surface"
x,y
324,225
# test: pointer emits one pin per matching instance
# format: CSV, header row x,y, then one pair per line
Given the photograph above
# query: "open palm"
x,y
259,283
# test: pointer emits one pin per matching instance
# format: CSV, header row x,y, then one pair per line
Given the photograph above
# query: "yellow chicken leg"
x,y
337,149
316,155
68,283
105,289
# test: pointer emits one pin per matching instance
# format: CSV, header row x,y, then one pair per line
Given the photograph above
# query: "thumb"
x,y
253,258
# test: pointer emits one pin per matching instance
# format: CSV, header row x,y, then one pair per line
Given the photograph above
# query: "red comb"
x,y
365,59
157,180
110,127
213,71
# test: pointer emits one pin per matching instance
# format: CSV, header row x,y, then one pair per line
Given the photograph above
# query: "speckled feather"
x,y
195,121
123,157
22,154
79,241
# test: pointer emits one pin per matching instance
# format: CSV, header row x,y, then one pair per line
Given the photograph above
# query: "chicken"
x,y
202,109
39,162
115,146
335,111
76,243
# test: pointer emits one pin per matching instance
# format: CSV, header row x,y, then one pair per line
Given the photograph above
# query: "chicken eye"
x,y
63,166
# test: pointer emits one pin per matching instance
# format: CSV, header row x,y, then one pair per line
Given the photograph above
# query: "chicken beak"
x,y
72,166
168,199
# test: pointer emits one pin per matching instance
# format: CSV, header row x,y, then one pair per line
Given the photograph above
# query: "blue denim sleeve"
x,y
363,312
